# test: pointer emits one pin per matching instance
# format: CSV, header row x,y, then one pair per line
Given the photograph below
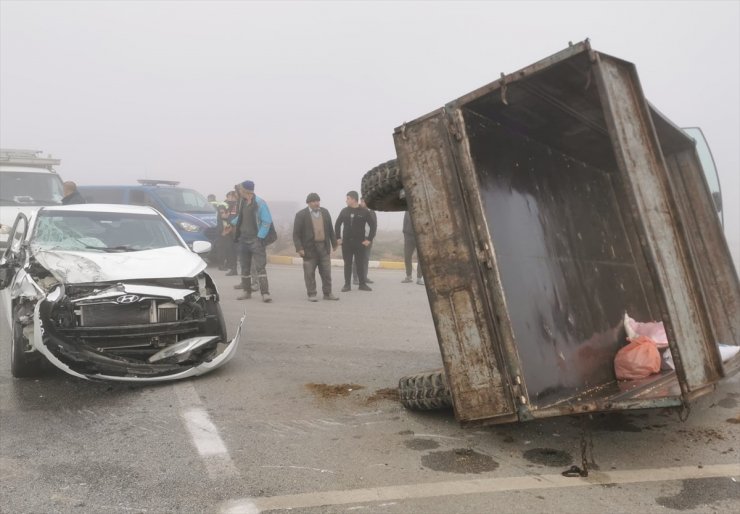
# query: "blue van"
x,y
187,210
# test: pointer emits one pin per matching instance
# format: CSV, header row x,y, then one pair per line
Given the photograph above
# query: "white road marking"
x,y
303,467
204,434
474,486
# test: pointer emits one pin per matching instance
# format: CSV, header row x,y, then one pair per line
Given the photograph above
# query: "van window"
x,y
184,200
23,188
102,195
139,197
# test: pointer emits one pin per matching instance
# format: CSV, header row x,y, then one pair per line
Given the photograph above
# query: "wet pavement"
x,y
305,418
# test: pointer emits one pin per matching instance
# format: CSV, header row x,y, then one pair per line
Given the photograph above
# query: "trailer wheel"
x,y
425,391
382,188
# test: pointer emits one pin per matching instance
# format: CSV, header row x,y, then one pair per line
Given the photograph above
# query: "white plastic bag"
x,y
653,330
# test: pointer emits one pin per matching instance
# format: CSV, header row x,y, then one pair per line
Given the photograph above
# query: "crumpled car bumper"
x,y
86,363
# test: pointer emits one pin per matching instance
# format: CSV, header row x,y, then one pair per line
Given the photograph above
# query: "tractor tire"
x,y
425,391
382,188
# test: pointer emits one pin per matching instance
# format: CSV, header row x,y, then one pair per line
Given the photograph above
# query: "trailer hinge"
x,y
503,89
516,388
454,126
484,256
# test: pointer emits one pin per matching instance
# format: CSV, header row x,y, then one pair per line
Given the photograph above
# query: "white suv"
x,y
27,182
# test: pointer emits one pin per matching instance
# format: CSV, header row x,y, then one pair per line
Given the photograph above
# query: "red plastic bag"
x,y
639,359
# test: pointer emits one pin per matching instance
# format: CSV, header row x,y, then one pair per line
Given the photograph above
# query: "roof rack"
x,y
18,157
155,182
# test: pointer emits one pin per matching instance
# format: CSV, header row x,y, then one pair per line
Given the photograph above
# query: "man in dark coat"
x,y
354,242
409,245
314,239
71,195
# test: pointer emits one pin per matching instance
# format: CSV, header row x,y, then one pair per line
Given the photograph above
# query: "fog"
x,y
302,97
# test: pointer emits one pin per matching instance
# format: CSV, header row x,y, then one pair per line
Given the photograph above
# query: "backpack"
x,y
271,236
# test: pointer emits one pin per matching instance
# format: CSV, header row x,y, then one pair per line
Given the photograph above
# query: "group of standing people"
x,y
246,229
315,237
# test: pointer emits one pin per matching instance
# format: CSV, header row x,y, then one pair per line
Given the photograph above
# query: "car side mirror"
x,y
201,247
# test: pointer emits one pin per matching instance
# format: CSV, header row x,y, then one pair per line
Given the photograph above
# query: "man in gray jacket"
x,y
314,239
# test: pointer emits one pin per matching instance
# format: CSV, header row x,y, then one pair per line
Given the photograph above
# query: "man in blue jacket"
x,y
252,228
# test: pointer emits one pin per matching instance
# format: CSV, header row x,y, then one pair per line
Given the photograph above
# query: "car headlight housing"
x,y
188,227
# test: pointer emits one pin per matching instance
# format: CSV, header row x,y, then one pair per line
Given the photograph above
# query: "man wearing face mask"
x,y
314,239
354,242
252,228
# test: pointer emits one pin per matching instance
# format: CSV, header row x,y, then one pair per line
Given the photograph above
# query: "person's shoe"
x,y
364,287
356,282
330,297
368,281
266,298
247,293
406,280
346,288
313,299
420,281
231,273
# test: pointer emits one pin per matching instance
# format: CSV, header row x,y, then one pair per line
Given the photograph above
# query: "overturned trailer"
x,y
546,205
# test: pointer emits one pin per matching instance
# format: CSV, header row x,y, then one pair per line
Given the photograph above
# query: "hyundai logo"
x,y
127,298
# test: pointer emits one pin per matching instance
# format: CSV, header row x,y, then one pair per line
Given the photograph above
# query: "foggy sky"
x,y
303,97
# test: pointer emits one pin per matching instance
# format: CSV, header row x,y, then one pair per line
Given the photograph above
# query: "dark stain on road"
x,y
421,444
735,420
460,460
701,492
729,402
329,391
548,457
701,435
614,422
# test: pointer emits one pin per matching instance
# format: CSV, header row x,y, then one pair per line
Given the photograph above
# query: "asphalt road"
x,y
303,418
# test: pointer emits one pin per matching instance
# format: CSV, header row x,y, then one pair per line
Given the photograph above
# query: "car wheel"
x,y
382,188
23,364
425,391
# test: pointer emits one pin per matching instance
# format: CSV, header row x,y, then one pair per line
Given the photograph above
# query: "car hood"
x,y
75,267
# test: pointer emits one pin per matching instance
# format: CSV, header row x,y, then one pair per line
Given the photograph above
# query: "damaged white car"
x,y
109,292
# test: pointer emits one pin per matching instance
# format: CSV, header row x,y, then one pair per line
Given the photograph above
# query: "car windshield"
x,y
101,232
27,188
185,200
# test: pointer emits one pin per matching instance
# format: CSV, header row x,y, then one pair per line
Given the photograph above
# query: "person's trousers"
x,y
317,256
231,249
409,245
354,252
368,249
253,251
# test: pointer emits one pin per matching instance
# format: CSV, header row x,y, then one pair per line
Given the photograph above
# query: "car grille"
x,y
114,314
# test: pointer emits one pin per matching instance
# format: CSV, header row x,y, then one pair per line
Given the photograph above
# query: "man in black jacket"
x,y
353,240
71,194
314,239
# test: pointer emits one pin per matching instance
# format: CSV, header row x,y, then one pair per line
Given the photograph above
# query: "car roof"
x,y
101,207
14,168
148,187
